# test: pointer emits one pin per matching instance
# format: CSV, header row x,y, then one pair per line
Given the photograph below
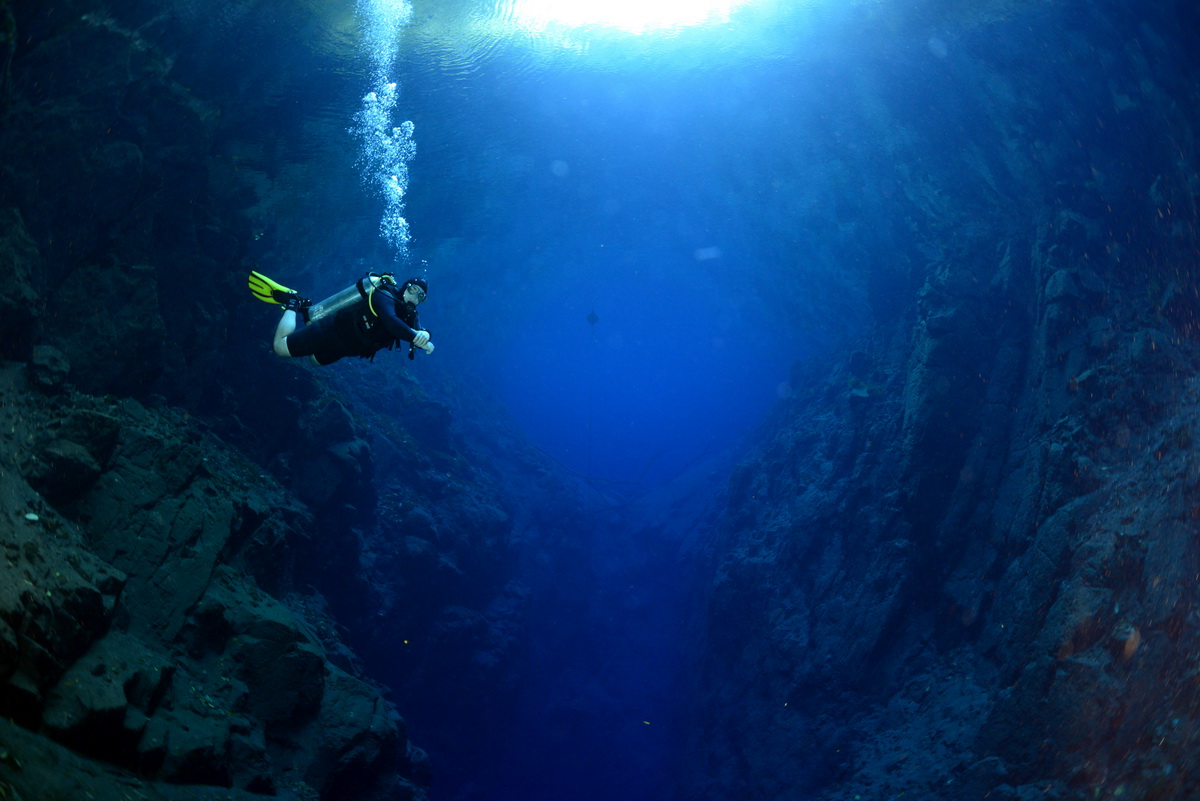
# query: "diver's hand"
x,y
421,340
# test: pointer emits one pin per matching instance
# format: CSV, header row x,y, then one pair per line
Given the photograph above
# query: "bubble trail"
x,y
386,148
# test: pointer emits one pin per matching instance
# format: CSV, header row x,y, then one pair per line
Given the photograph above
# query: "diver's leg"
x,y
287,325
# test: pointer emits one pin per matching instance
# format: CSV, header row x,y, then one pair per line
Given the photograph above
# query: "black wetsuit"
x,y
357,331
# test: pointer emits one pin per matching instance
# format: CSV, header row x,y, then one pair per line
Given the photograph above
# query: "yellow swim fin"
x,y
267,290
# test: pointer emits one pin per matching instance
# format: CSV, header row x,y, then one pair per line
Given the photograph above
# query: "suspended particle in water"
x,y
1132,643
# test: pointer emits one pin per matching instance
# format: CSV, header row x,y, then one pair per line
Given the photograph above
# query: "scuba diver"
x,y
373,314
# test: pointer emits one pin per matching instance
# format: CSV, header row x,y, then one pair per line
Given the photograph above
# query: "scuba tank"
x,y
358,291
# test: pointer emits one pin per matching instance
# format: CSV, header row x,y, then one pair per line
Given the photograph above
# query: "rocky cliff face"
x,y
962,564
193,530
149,620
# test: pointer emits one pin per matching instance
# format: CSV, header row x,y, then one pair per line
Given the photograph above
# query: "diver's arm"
x,y
386,307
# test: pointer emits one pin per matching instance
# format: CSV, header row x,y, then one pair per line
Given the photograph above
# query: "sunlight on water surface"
x,y
549,38
632,16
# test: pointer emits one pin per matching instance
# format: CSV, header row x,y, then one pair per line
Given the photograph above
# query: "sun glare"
x,y
631,16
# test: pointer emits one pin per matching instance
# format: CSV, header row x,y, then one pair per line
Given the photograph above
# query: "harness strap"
x,y
386,280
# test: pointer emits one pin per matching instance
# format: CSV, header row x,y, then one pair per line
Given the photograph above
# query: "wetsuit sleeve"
x,y
385,307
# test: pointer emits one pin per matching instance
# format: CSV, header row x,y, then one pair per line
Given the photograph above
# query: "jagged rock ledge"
x,y
151,640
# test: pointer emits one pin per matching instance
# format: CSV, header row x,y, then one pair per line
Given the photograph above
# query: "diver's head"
x,y
415,290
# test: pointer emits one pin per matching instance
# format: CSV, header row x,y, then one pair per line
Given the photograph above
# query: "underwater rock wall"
x,y
137,627
962,562
174,621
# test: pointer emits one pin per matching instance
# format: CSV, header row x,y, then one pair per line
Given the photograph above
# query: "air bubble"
x,y
386,148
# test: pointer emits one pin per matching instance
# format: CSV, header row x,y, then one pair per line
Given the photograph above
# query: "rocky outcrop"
x,y
959,565
980,614
188,644
137,622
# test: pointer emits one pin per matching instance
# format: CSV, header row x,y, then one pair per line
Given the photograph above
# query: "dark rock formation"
x,y
136,628
959,564
154,623
175,621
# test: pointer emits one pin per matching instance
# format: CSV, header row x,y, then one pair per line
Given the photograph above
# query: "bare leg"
x,y
287,324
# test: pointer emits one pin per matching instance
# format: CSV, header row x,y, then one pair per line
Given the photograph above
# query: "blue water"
x,y
676,186
607,182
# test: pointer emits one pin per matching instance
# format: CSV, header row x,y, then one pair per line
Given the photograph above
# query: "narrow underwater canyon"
x,y
956,560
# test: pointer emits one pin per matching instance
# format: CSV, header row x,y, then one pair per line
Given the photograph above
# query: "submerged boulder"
x,y
48,369
70,453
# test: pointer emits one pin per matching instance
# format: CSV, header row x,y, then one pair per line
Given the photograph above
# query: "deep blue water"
x,y
587,189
